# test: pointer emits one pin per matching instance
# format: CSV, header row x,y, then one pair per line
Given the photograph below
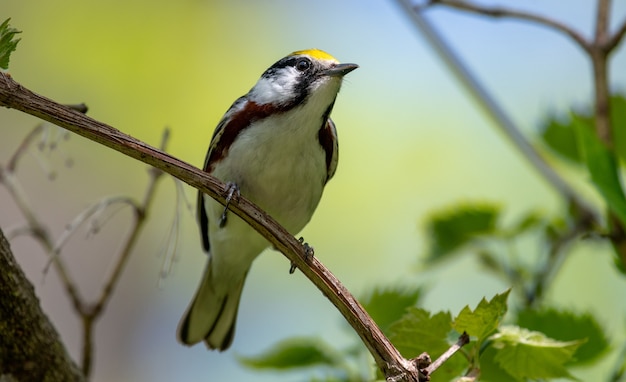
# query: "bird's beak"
x,y
340,70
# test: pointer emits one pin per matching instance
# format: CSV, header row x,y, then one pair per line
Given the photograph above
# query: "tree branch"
x,y
616,38
386,356
493,109
41,355
499,12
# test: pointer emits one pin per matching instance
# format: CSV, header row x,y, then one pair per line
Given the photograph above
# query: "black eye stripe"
x,y
288,61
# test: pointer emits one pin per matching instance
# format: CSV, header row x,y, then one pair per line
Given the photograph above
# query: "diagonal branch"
x,y
616,38
498,12
493,109
386,356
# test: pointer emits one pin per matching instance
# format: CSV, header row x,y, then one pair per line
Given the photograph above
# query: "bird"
x,y
276,146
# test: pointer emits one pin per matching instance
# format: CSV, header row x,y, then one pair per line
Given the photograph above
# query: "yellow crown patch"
x,y
315,53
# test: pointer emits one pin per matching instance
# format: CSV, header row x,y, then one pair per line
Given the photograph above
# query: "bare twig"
x,y
386,356
80,219
501,12
599,56
492,108
616,38
40,233
19,152
88,312
463,340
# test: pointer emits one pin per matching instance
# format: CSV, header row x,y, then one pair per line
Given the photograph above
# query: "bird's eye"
x,y
303,64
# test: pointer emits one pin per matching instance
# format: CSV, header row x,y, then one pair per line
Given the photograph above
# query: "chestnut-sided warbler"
x,y
277,146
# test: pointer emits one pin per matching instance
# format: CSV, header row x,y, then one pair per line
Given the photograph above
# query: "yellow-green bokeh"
x,y
410,141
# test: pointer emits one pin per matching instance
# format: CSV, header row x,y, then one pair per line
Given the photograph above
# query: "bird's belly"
x,y
288,186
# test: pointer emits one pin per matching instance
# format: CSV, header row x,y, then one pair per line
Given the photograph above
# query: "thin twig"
x,y
21,148
386,356
91,314
463,340
41,234
81,218
492,108
514,14
616,38
555,259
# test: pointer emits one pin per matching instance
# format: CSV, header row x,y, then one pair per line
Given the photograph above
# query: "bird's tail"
x,y
211,316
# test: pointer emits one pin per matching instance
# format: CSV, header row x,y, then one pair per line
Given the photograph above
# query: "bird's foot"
x,y
308,254
233,193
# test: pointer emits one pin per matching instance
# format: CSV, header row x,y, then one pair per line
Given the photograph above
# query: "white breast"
x,y
279,164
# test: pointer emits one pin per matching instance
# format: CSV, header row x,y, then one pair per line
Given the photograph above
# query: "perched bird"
x,y
276,146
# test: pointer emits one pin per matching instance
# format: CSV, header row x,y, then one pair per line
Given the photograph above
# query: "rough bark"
x,y
30,348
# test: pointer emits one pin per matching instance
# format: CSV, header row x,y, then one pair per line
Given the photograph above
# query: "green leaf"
x,y
7,43
453,228
568,326
618,120
294,353
387,305
417,332
490,370
485,319
530,221
560,137
526,354
603,169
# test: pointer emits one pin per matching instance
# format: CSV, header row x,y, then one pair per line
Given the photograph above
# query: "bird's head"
x,y
294,79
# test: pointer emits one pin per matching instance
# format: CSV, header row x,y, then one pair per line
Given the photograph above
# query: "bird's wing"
x,y
330,144
215,146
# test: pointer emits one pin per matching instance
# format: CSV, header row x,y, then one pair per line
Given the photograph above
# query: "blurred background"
x,y
411,141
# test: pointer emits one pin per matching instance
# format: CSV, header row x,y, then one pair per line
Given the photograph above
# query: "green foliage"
x,y
485,319
560,137
385,305
568,326
545,341
8,43
294,353
451,229
559,134
526,354
419,331
602,167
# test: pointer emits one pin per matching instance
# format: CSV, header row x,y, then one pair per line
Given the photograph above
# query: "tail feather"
x,y
212,315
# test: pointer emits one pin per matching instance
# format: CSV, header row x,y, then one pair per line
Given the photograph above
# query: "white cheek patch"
x,y
279,89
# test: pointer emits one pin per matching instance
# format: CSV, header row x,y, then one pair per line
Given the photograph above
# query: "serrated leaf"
x,y
387,305
294,353
603,170
7,43
526,354
417,331
453,228
568,326
483,320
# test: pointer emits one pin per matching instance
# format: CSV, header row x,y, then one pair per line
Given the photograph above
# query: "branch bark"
x,y
387,358
502,12
40,355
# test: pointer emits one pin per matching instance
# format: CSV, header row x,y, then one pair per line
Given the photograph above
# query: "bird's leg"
x,y
233,192
308,254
